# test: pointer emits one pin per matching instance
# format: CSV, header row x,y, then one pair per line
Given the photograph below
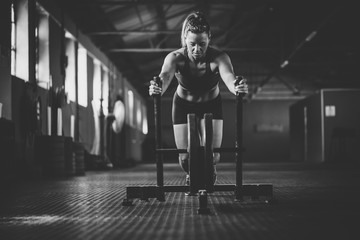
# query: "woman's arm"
x,y
166,75
228,76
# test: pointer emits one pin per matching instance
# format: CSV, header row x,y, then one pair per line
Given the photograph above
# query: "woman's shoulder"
x,y
174,57
177,54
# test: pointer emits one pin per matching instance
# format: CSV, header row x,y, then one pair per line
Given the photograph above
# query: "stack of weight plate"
x,y
7,149
78,153
52,153
69,157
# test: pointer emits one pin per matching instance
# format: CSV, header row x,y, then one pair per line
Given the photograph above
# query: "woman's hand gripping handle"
x,y
241,87
155,86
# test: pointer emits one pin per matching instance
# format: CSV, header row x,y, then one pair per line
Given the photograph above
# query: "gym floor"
x,y
313,202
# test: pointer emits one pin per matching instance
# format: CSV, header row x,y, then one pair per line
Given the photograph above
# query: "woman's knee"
x,y
184,161
216,158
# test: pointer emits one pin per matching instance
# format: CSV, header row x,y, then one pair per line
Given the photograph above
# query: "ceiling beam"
x,y
150,2
141,32
142,24
155,21
161,24
286,62
292,88
154,50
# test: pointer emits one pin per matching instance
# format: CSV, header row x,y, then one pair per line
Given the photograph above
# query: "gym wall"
x,y
325,127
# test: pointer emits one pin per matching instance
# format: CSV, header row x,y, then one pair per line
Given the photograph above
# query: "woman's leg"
x,y
181,141
217,139
217,136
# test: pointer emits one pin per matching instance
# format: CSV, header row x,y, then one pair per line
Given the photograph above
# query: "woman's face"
x,y
197,44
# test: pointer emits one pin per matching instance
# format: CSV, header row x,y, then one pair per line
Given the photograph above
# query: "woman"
x,y
198,69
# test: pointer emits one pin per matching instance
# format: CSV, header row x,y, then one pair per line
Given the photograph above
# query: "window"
x,y
105,91
131,107
82,76
97,84
70,74
42,63
138,115
144,122
13,41
21,40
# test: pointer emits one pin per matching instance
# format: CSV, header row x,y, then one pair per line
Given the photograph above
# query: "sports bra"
x,y
198,84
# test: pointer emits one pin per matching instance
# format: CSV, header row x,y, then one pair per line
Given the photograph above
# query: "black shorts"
x,y
181,108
